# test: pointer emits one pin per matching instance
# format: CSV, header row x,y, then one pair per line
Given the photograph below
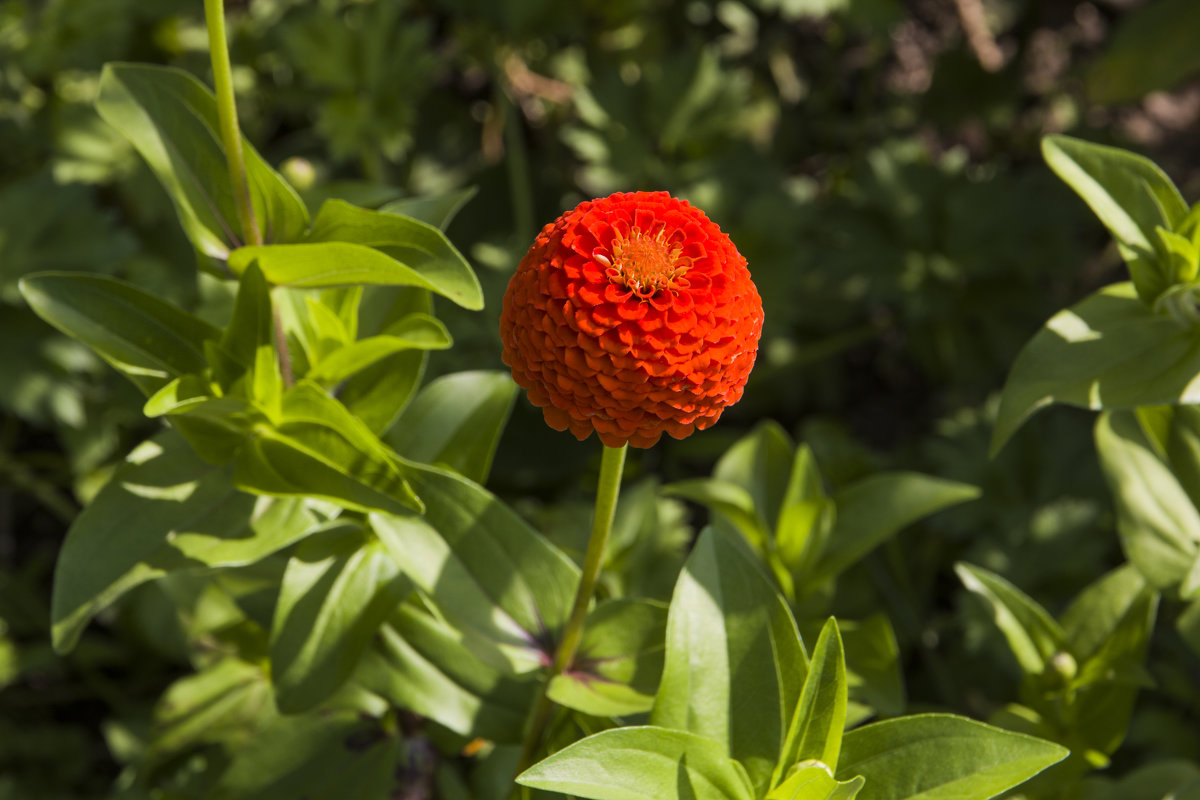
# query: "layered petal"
x,y
631,316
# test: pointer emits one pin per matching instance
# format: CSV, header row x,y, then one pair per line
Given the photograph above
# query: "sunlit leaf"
x,y
644,763
941,757
171,118
1109,351
735,665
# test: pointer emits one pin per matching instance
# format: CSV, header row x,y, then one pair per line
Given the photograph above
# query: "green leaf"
x,y
1157,780
250,340
815,782
619,662
1033,635
641,763
815,733
215,427
1108,680
332,755
163,510
226,703
806,517
876,508
414,332
457,420
348,245
941,757
323,450
1158,525
147,340
1182,447
434,209
421,664
729,500
1188,625
760,463
338,588
1096,612
485,569
171,118
734,665
378,394
873,673
1130,195
1109,351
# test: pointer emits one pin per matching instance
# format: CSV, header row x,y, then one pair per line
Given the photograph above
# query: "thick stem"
x,y
231,139
612,464
231,136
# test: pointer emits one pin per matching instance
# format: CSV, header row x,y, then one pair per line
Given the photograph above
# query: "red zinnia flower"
x,y
631,315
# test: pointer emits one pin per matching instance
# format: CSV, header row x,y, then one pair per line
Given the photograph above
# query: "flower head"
x,y
631,315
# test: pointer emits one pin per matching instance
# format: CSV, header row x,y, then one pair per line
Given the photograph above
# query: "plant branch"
x,y
612,464
231,135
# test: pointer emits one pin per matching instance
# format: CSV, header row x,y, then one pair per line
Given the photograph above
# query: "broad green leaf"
x,y
415,332
873,673
941,757
171,118
163,510
1108,680
877,508
619,662
809,781
1182,448
225,703
815,733
144,338
806,516
641,763
252,324
760,463
1097,611
1158,525
1033,635
435,209
348,245
322,450
1130,195
1182,254
277,465
456,420
735,665
1109,351
729,500
486,570
379,394
421,664
215,427
338,588
250,340
332,755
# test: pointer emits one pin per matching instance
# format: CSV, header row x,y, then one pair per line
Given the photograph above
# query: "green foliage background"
x,y
887,190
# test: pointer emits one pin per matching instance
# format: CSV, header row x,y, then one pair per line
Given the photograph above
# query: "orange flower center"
x,y
645,263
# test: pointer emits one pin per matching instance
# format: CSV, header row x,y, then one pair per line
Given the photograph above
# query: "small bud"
x,y
299,172
1062,666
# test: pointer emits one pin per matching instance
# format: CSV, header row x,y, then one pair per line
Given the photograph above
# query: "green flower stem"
x,y
231,135
612,464
231,139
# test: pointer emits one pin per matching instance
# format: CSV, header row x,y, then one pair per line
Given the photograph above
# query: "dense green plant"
x,y
300,583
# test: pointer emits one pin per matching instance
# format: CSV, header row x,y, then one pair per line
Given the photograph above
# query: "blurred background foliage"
x,y
875,160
